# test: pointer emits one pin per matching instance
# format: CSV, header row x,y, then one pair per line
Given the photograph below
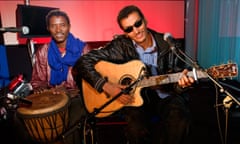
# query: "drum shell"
x,y
48,116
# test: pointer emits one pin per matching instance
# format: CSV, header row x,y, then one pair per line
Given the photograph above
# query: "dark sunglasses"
x,y
136,25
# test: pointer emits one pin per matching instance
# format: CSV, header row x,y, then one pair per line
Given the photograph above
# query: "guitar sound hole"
x,y
126,81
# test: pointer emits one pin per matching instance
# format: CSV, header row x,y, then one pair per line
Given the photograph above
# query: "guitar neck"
x,y
168,78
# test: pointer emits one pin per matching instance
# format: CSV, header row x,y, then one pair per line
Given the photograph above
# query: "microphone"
x,y
24,29
170,40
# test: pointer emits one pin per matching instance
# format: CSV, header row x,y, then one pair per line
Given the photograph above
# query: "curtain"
x,y
218,33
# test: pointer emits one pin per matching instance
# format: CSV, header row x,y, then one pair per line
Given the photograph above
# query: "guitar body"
x,y
118,74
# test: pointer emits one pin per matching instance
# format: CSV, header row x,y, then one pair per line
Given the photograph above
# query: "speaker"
x,y
34,18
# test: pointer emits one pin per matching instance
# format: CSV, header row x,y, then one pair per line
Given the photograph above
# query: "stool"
x,y
106,130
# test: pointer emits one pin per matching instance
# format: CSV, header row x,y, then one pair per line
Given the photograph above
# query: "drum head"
x,y
44,103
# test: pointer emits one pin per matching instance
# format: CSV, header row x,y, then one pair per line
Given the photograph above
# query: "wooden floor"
x,y
209,122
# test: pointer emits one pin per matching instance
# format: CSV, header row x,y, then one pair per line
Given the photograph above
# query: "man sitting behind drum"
x,y
54,61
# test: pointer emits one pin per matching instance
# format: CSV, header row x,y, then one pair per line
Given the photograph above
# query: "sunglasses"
x,y
137,24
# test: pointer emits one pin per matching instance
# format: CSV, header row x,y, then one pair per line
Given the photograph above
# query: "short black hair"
x,y
126,11
56,12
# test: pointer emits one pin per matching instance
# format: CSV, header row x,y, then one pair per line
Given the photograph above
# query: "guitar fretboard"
x,y
168,78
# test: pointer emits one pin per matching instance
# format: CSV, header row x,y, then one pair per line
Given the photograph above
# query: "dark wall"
x,y
18,61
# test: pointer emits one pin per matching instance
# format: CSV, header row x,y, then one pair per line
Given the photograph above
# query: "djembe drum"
x,y
47,118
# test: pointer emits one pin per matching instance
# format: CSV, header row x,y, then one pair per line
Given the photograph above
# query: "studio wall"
x,y
95,20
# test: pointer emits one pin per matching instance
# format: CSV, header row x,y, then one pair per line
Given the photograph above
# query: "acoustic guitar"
x,y
129,72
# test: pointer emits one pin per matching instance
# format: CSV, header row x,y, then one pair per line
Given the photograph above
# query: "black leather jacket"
x,y
121,50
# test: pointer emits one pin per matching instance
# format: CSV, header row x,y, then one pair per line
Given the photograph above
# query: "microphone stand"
x,y
227,102
196,66
192,62
90,116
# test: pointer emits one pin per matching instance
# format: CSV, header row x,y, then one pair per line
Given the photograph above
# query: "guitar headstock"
x,y
223,71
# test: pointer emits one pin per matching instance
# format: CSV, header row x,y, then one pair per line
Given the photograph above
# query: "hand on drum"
x,y
40,89
70,92
58,90
55,90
